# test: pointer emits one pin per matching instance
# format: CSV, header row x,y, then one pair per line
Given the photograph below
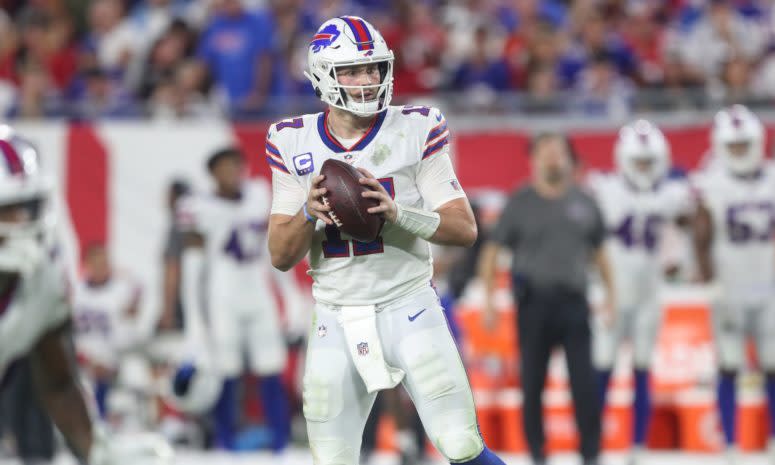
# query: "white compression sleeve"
x,y
287,194
417,221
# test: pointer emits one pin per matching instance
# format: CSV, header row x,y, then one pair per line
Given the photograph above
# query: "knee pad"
x,y
456,435
332,452
461,445
322,385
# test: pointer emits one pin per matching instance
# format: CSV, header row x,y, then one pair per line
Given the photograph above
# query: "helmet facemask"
x,y
336,94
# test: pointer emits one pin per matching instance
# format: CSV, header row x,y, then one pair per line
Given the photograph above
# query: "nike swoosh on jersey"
x,y
414,317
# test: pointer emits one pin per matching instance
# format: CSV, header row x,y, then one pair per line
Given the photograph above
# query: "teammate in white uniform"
x,y
636,202
226,240
734,229
35,312
105,310
377,320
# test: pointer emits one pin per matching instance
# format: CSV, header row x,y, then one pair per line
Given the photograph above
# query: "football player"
x,y
733,231
35,313
225,253
636,203
105,310
377,320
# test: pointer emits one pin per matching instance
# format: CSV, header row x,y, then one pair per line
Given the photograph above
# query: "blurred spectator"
x,y
237,48
720,34
595,39
111,42
540,49
484,72
163,59
764,80
103,98
7,48
601,90
525,14
645,37
294,28
735,84
543,93
151,18
419,45
180,96
36,97
47,44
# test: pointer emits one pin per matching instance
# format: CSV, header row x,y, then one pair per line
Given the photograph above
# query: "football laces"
x,y
331,213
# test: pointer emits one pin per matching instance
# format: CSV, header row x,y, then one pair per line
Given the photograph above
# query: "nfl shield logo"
x,y
363,348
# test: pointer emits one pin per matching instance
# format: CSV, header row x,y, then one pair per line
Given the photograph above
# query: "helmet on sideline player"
x,y
195,387
642,154
25,213
737,139
348,41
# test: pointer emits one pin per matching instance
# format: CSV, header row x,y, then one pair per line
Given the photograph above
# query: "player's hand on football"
x,y
387,207
315,204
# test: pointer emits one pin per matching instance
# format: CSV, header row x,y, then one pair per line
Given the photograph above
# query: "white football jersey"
x,y
743,218
102,326
399,149
635,220
36,304
236,252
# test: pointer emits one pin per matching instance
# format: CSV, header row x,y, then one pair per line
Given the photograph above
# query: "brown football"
x,y
348,208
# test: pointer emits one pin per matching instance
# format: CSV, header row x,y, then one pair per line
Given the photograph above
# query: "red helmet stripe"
x,y
12,158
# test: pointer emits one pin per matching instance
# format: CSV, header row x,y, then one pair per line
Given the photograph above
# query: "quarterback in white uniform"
x,y
377,320
734,231
636,203
226,282
35,312
105,310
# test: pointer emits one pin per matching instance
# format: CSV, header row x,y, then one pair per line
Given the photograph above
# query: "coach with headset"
x,y
553,230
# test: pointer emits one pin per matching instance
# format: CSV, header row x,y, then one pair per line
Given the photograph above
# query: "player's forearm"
x,y
455,228
289,240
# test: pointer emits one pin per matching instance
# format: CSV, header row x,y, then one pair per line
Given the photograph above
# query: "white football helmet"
x,y
737,139
642,154
195,388
348,41
22,185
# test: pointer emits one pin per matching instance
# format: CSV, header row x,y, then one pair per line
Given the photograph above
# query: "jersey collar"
x,y
333,144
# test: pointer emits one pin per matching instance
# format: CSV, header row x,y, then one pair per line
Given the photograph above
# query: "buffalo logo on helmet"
x,y
324,38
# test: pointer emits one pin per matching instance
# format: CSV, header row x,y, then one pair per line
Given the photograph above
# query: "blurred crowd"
x,y
244,58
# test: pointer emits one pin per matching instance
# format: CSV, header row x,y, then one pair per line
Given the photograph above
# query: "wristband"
x,y
417,221
307,216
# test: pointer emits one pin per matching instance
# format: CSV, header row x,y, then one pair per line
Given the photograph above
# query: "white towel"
x,y
360,332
